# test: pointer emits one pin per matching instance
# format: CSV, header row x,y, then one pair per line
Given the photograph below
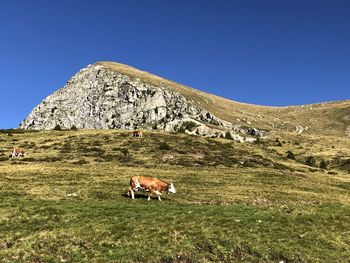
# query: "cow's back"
x,y
149,183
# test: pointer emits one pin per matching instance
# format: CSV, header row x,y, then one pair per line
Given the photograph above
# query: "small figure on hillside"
x,y
16,152
137,133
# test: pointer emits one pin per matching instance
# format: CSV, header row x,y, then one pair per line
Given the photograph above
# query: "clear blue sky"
x,y
281,52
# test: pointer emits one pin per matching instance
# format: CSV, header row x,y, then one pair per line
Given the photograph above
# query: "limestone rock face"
x,y
99,98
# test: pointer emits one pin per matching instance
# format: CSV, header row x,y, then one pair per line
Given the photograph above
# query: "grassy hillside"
x,y
324,118
65,201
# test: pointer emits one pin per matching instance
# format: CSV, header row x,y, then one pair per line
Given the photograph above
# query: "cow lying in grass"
x,y
151,185
17,152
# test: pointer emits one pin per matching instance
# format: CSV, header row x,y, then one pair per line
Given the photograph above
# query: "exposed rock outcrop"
x,y
99,98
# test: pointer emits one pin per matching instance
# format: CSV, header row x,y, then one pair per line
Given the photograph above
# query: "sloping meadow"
x,y
66,200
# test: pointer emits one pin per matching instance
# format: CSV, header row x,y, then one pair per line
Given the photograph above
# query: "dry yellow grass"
x,y
325,118
59,153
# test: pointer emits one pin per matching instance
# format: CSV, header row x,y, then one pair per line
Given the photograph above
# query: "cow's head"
x,y
171,188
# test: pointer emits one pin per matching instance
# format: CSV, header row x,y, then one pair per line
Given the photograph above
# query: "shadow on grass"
x,y
137,196
144,196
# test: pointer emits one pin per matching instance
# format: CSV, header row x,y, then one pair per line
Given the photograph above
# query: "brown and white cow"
x,y
137,134
151,185
18,152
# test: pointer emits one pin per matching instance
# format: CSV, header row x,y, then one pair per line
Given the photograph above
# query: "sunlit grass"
x,y
60,210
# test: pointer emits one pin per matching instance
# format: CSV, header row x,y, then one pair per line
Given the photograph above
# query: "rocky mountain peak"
x,y
100,98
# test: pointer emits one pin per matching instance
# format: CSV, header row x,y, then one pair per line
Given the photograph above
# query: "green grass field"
x,y
66,200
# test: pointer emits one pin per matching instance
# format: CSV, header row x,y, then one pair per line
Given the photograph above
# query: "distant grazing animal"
x,y
137,134
18,152
151,185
